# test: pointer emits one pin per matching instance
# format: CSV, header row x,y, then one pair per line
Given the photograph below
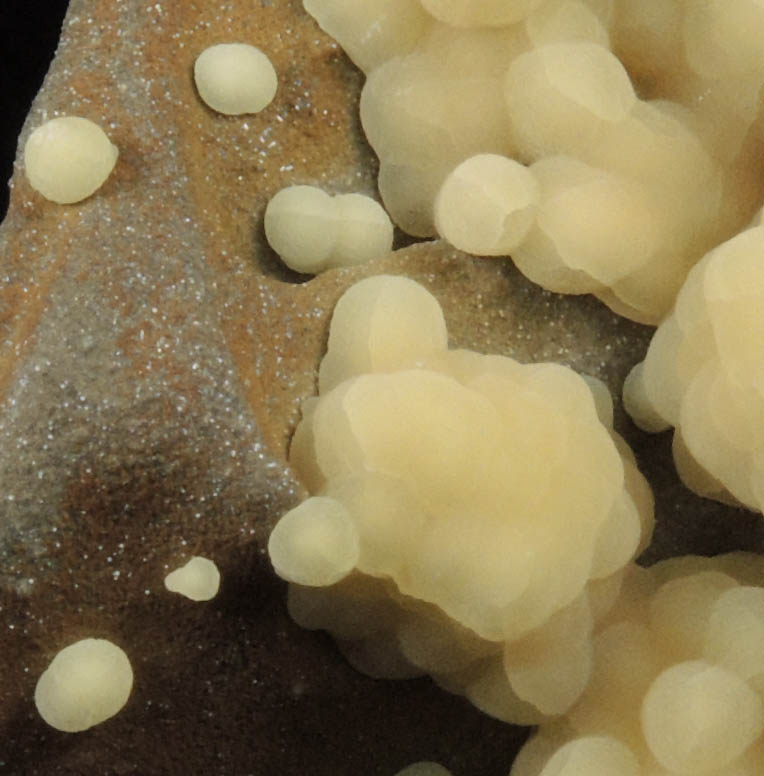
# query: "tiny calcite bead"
x,y
235,78
85,684
68,159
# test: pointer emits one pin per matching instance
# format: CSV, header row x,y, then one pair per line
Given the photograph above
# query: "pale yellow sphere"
x,y
372,31
480,13
487,205
86,683
424,768
235,78
199,579
364,230
698,718
300,226
314,544
562,98
592,755
68,158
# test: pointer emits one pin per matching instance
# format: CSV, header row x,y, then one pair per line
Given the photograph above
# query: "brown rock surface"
x,y
153,355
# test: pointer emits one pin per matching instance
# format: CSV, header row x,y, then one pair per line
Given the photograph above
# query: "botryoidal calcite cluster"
x,y
678,682
470,516
637,124
704,374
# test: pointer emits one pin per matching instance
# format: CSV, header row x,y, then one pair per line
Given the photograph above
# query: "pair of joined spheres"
x,y
313,231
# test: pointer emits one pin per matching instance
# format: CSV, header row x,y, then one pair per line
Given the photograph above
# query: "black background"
x,y
29,32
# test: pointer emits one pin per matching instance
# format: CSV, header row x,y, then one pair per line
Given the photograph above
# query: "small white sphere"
x,y
300,226
235,78
563,98
68,158
698,718
364,230
199,579
86,683
424,768
487,205
314,544
480,13
592,754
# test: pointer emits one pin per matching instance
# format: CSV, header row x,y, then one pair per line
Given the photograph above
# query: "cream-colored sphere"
x,y
300,226
364,230
592,755
699,718
424,768
86,683
199,579
68,158
235,78
480,13
315,544
487,205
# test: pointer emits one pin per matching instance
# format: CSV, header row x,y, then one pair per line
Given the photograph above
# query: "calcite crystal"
x,y
153,357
